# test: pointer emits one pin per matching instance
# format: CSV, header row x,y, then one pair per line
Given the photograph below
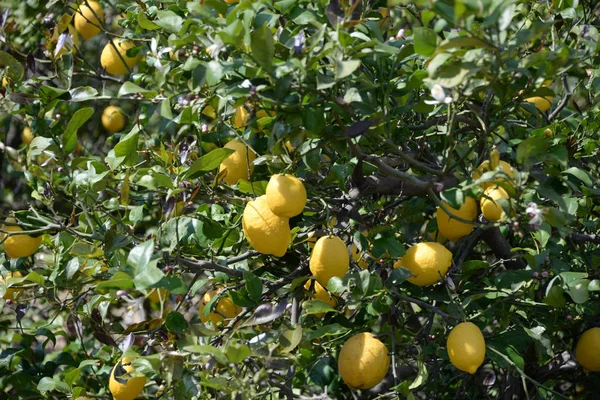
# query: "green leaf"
x,y
208,162
313,119
253,285
263,48
120,280
530,148
328,330
515,357
125,151
208,350
555,298
175,322
422,375
343,69
579,291
473,265
12,68
425,41
290,338
146,273
76,122
237,353
131,88
255,188
579,174
145,23
169,21
316,307
83,93
454,197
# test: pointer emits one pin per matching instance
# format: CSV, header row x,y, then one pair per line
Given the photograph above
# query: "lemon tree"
x,y
299,199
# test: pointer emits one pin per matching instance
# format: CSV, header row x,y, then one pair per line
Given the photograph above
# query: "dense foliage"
x,y
384,110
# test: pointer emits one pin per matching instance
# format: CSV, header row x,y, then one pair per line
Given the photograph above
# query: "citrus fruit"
x,y
26,135
329,258
239,164
428,261
466,347
587,351
240,118
452,228
542,103
12,292
122,386
224,308
86,19
17,246
113,119
321,294
286,195
358,257
112,62
398,264
268,233
486,166
492,210
363,361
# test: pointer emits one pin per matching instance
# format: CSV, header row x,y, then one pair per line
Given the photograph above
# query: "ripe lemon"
x,y
288,145
86,23
466,347
321,294
12,292
398,263
286,195
268,233
113,119
358,257
110,60
542,103
486,166
238,164
19,245
428,261
26,135
452,228
224,308
158,295
240,119
492,211
587,351
329,258
363,361
124,387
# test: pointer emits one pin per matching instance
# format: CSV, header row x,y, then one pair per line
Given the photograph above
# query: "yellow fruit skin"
x,y
542,103
113,119
398,264
321,294
329,258
267,233
587,351
357,256
466,347
428,261
485,167
19,245
452,228
123,388
492,211
86,23
224,309
363,361
109,58
12,292
240,119
286,195
238,164
26,135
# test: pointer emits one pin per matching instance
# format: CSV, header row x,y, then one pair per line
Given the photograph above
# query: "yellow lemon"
x,y
26,135
542,103
110,60
239,164
17,246
428,261
225,308
5,81
286,195
398,264
321,294
268,233
363,361
264,114
86,21
329,258
289,146
240,119
466,347
492,211
486,166
123,387
358,257
587,351
12,292
158,295
113,119
452,228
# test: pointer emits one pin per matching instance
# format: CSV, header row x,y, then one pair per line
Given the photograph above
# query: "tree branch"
x,y
563,102
502,249
200,266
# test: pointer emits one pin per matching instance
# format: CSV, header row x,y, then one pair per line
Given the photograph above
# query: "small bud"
x,y
536,274
569,317
121,292
9,302
516,224
544,274
204,128
400,34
